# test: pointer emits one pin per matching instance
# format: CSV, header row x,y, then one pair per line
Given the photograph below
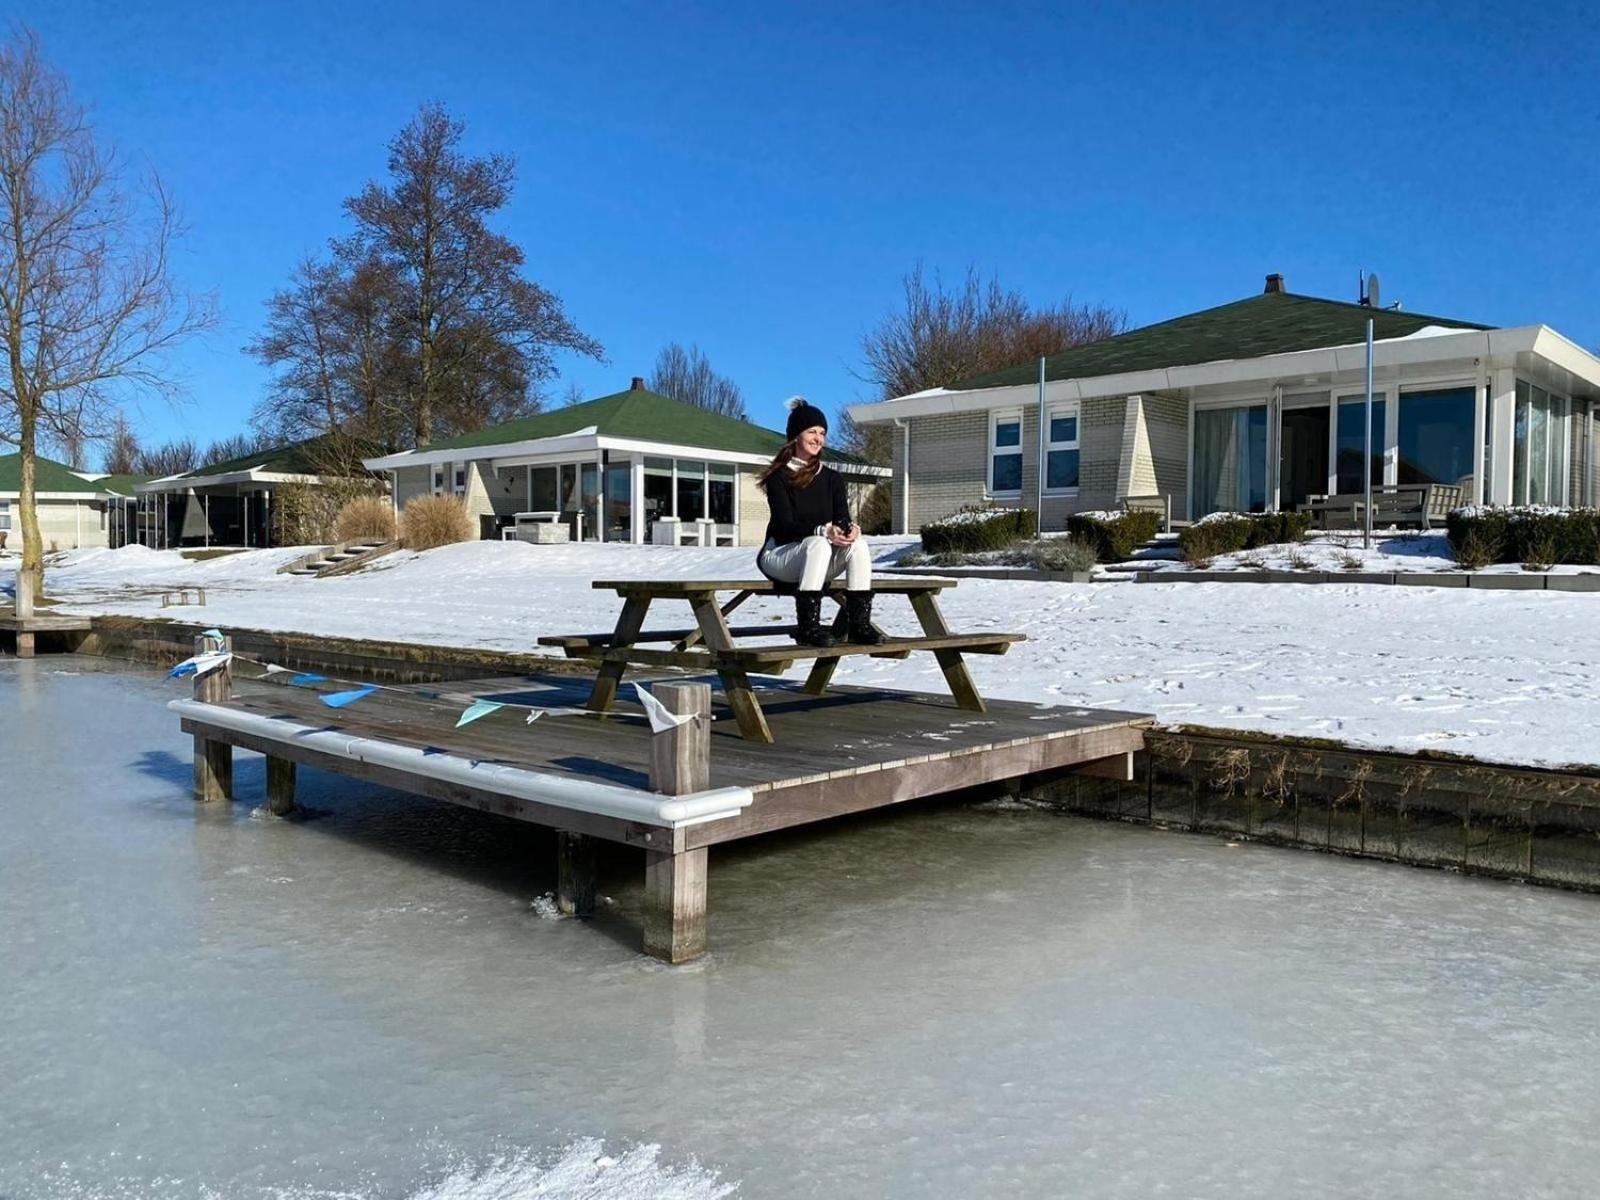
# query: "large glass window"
x,y
589,485
5,514
657,493
542,489
1435,442
619,502
722,482
691,490
1540,446
1230,460
1061,451
1005,455
571,501
1351,433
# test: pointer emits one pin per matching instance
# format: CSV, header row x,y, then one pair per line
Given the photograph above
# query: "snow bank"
x,y
1506,676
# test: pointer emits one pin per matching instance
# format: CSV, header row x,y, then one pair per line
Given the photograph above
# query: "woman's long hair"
x,y
799,479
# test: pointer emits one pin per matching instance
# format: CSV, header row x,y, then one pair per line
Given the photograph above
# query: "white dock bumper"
x,y
560,791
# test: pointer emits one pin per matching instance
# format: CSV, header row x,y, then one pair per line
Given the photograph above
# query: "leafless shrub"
x,y
430,521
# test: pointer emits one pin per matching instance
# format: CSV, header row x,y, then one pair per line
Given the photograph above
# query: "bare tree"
x,y
686,375
237,446
170,458
478,336
941,337
86,300
122,448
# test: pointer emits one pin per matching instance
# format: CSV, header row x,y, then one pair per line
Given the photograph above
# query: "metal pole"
x,y
1041,444
1366,455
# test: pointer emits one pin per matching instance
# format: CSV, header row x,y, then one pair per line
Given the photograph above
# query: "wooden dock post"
x,y
574,874
675,883
213,761
280,786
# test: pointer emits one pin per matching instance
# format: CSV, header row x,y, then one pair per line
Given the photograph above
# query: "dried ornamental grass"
x,y
430,521
365,519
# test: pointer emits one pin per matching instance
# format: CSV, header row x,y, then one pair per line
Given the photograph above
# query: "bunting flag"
x,y
214,634
308,680
660,719
345,699
200,664
478,708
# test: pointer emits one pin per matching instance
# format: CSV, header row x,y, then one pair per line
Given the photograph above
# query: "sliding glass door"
x,y
1302,455
1230,460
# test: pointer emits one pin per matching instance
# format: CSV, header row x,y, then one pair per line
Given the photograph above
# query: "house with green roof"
x,y
635,466
75,510
1254,406
230,503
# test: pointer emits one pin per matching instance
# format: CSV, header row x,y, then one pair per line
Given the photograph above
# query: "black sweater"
x,y
796,513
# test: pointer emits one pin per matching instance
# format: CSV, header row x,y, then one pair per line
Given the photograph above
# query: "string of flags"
x,y
476,708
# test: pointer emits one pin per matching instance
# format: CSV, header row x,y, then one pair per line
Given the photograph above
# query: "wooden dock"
x,y
27,629
672,794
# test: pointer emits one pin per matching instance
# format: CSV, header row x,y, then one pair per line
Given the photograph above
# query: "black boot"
x,y
808,620
858,612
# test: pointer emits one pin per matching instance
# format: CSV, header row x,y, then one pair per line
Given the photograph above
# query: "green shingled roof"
x,y
292,458
638,414
48,476
121,485
1271,323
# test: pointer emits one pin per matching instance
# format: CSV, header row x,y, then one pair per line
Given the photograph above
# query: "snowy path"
x,y
1504,676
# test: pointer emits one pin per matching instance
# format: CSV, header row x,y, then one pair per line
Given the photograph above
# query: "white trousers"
x,y
812,562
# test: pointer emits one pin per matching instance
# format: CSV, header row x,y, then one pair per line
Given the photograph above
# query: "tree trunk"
x,y
30,576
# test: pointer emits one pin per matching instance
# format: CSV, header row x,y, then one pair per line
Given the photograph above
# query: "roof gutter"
x,y
559,791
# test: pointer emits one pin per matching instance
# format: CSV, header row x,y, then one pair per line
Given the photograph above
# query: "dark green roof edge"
x,y
1255,327
48,476
290,458
641,415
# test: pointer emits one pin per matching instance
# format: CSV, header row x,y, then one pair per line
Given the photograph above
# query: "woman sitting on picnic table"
x,y
811,539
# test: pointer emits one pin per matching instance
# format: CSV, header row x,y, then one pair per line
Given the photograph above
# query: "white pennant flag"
x,y
660,719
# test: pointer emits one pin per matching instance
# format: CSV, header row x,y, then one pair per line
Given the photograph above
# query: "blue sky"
x,y
757,178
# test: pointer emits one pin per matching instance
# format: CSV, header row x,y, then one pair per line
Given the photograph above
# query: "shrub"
x,y
1052,554
979,528
1115,535
1484,534
876,514
1228,533
365,519
430,521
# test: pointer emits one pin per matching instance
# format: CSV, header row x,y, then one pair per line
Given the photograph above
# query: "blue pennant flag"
x,y
341,699
182,669
478,708
215,634
308,680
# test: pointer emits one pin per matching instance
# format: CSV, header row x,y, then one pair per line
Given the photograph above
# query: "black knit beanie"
x,y
803,416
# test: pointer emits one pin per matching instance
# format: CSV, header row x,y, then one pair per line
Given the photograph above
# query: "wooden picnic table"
x,y
713,645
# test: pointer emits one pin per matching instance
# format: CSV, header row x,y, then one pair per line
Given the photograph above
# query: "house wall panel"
x,y
1166,422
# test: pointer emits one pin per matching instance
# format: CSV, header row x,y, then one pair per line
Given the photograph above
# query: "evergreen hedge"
x,y
1115,536
979,528
1530,534
1227,533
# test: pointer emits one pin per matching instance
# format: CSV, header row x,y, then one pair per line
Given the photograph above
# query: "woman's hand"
x,y
837,538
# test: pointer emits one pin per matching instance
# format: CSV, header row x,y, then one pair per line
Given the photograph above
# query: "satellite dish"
x,y
1372,291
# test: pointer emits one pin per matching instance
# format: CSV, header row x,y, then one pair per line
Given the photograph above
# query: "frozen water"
x,y
960,1000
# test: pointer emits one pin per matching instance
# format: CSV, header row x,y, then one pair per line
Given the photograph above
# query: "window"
x,y
542,490
5,514
1435,441
1230,460
438,481
589,484
619,502
657,493
1350,434
691,490
1005,454
720,490
1061,450
461,478
1540,446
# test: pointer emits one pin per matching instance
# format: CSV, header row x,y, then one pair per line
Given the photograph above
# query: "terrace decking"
x,y
27,629
672,794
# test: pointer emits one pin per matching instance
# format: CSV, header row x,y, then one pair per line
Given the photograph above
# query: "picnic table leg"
x,y
610,674
821,675
742,700
950,661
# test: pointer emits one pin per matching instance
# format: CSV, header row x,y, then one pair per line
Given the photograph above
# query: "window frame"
x,y
996,419
1064,408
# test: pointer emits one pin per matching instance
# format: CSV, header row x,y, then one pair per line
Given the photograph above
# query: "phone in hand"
x,y
844,527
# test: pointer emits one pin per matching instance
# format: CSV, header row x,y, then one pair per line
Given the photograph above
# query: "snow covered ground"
x,y
1504,676
1418,552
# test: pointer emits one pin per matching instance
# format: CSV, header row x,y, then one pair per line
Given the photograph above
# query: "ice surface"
x,y
939,1001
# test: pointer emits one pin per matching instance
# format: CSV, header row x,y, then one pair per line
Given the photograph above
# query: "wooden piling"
x,y
280,786
675,882
575,874
213,761
24,643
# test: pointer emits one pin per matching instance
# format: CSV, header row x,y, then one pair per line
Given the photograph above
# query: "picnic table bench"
x,y
712,645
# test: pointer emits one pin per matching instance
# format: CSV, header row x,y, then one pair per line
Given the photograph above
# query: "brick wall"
x,y
1166,422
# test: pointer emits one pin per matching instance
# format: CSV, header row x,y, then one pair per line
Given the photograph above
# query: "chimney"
x,y
1274,284
638,384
